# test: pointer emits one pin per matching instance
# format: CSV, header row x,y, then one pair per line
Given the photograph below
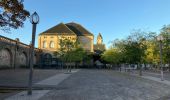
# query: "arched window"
x,y
44,44
51,44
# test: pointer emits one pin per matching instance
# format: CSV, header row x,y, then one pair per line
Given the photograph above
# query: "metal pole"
x,y
31,60
15,54
140,70
162,78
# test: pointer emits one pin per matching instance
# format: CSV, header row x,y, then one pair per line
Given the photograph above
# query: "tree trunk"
x,y
140,70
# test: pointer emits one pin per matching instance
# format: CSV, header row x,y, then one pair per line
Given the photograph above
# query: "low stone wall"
x,y
14,54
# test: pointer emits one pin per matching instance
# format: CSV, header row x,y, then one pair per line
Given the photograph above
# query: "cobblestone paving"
x,y
19,77
107,85
166,75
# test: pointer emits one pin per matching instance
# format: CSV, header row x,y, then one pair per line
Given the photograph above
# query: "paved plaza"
x,y
13,81
94,84
19,77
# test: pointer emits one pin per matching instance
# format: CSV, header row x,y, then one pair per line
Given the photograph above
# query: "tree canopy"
x,y
112,56
138,47
70,51
12,14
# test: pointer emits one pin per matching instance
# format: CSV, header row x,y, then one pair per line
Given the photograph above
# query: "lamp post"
x,y
160,39
16,49
34,19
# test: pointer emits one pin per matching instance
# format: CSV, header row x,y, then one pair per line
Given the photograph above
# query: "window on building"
x,y
51,44
44,44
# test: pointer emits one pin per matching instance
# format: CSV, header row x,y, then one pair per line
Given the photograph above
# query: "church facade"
x,y
14,53
49,39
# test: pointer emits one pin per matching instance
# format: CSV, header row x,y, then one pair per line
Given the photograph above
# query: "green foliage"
x,y
138,47
112,56
75,55
152,52
12,14
65,46
165,32
70,51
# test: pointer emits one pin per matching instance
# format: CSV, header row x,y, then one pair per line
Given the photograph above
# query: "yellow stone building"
x,y
49,39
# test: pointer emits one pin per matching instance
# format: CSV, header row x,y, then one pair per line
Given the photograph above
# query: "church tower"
x,y
99,39
99,47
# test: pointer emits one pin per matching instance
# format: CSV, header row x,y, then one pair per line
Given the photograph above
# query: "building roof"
x,y
78,29
58,29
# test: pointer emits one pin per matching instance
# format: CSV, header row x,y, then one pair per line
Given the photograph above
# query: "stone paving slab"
x,y
156,79
103,85
55,80
36,94
108,85
75,70
19,77
152,73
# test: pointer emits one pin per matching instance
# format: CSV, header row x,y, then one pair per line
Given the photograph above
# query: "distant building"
x,y
14,53
99,47
49,39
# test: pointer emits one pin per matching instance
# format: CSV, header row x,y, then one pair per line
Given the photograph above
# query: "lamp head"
x,y
34,18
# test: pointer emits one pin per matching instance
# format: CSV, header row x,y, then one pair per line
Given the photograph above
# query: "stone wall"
x,y
55,39
15,54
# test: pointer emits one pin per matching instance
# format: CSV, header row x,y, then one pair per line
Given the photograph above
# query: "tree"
x,y
65,46
65,51
75,55
112,56
152,52
70,51
135,46
134,49
165,32
12,14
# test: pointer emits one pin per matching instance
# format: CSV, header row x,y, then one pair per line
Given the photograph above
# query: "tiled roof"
x,y
58,29
78,29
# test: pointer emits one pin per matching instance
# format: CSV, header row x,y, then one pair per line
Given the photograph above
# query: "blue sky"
x,y
113,18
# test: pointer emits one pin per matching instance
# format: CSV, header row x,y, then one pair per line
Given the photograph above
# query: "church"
x,y
48,41
14,53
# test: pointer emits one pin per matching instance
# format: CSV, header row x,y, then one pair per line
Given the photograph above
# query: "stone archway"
x,y
22,59
47,58
5,58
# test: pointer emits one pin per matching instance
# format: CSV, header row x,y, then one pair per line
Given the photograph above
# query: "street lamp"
x,y
69,49
34,19
160,39
16,49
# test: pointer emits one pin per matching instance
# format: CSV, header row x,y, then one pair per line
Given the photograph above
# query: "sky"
x,y
112,18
